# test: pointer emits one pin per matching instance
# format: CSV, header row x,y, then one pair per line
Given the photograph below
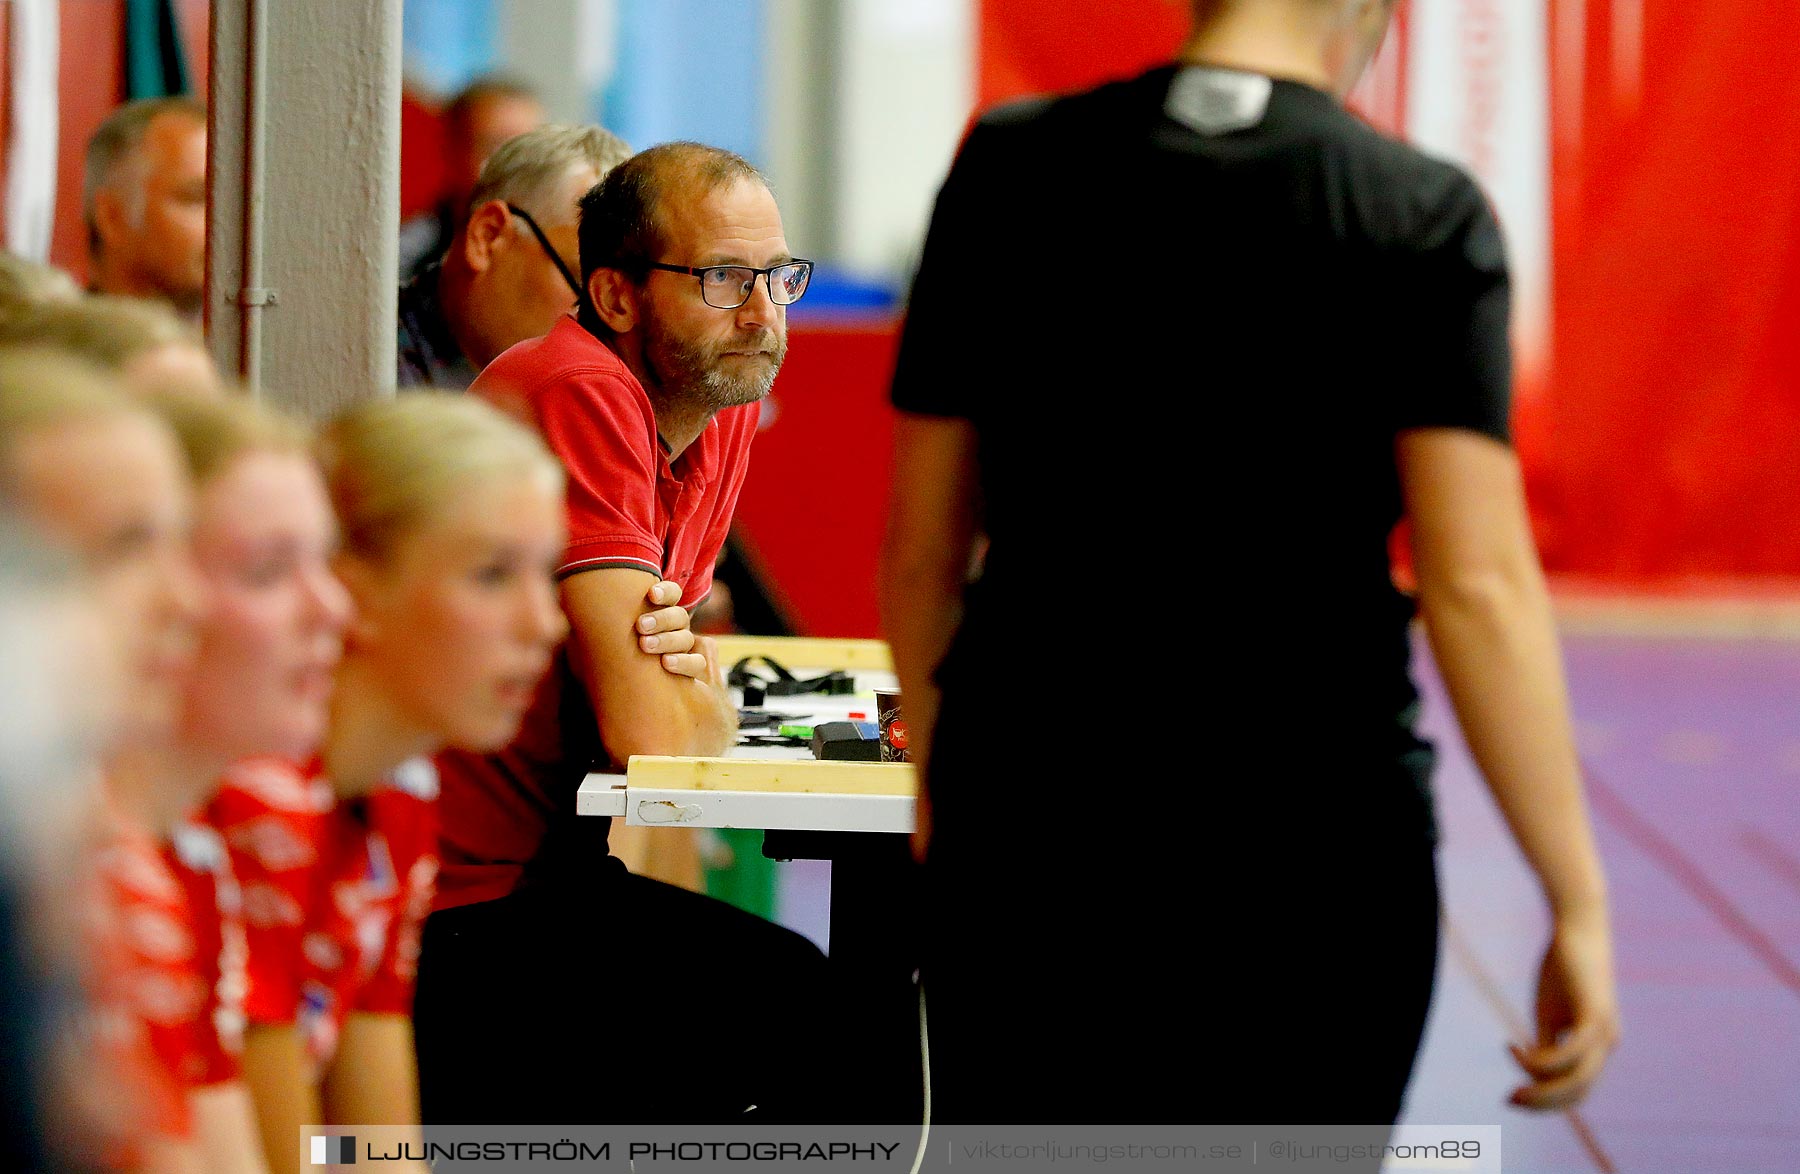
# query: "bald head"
x,y
624,218
679,248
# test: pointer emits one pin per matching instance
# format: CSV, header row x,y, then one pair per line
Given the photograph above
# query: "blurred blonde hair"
x,y
25,285
42,386
213,432
394,464
109,331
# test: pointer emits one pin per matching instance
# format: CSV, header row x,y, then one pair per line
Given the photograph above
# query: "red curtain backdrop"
x,y
1665,449
816,499
1674,430
421,152
1042,46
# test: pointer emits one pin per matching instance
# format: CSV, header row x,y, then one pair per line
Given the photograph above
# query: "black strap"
x,y
785,683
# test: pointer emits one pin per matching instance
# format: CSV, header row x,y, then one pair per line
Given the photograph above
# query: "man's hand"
x,y
666,631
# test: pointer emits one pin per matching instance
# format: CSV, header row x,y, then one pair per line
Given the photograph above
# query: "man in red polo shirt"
x,y
542,946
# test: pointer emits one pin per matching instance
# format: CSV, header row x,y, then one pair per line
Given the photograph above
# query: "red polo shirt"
x,y
628,506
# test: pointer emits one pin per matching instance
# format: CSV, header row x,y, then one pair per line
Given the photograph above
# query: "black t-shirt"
x,y
1187,315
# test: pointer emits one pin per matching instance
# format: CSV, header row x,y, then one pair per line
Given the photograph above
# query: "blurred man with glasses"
x,y
509,272
650,398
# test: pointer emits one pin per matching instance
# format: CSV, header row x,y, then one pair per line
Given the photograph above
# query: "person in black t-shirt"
x,y
1244,339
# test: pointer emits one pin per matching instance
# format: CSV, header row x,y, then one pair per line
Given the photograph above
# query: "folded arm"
x,y
644,706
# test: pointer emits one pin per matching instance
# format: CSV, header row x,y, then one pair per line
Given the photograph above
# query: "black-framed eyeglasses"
x,y
549,248
726,287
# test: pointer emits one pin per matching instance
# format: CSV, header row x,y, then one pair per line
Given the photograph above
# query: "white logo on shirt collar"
x,y
1218,101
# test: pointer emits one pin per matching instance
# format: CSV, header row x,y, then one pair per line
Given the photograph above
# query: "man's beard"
x,y
699,374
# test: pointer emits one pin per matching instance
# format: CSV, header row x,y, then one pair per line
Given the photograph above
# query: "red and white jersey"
x,y
160,969
335,891
199,861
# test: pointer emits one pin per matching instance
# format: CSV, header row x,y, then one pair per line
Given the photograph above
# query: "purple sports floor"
x,y
1692,748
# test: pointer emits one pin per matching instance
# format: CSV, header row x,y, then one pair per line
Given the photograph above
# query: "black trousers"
x,y
1212,985
612,998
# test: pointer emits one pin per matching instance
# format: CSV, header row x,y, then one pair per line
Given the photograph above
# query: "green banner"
x,y
155,66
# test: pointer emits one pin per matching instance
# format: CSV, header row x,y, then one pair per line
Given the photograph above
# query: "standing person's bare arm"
x,y
1487,614
646,704
924,563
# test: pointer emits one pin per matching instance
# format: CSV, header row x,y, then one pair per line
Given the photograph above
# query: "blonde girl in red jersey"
x,y
224,580
451,517
100,478
268,642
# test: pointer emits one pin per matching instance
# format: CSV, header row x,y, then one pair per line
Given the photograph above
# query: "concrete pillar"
x,y
301,260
